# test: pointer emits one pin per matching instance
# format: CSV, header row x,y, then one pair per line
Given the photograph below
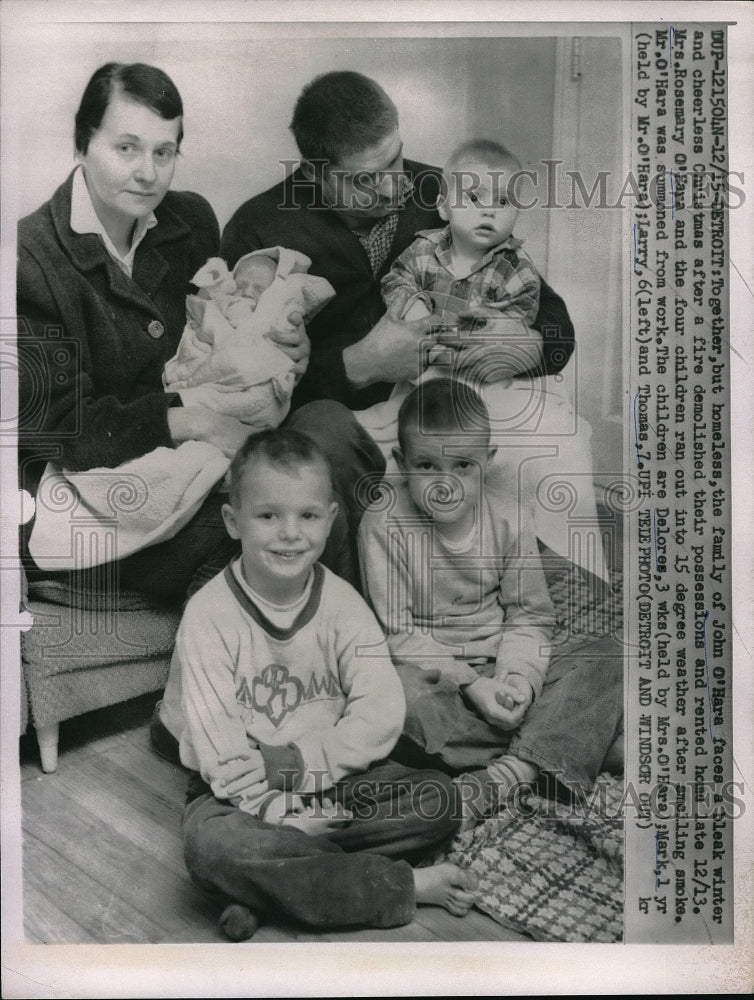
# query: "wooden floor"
x,y
102,850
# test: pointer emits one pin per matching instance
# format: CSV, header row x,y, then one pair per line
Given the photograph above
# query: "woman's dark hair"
x,y
145,84
341,113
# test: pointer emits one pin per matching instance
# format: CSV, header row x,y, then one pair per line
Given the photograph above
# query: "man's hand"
x,y
393,350
488,698
317,820
294,342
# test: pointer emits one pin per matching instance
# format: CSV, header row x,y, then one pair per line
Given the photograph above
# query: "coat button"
x,y
155,329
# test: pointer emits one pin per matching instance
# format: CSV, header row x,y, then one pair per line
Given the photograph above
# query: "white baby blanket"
x,y
225,362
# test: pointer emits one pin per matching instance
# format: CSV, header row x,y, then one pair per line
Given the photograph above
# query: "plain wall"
x,y
239,92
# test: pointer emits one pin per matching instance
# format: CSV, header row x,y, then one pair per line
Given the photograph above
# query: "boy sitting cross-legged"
x,y
289,706
452,568
453,572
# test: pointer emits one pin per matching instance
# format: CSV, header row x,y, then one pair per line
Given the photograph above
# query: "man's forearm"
x,y
359,365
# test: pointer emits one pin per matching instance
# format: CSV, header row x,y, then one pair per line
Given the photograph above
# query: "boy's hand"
x,y
516,694
245,773
285,804
488,700
496,347
318,820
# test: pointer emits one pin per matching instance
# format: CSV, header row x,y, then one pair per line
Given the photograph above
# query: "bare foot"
x,y
238,922
447,885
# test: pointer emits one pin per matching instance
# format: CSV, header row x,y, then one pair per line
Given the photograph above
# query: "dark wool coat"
x,y
92,341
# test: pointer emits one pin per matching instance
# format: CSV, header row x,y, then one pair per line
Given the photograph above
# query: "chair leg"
x,y
47,737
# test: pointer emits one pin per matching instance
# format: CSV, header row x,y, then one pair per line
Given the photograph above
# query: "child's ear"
x,y
442,210
332,513
229,517
398,456
308,170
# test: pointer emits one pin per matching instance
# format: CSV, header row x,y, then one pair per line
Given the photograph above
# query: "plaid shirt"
x,y
379,239
503,283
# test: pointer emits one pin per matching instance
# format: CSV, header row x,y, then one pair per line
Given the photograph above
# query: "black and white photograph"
x,y
386,600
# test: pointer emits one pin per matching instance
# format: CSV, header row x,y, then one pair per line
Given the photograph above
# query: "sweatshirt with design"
x,y
321,700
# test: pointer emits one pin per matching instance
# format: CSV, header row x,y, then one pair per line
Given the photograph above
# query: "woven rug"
x,y
583,606
549,869
556,872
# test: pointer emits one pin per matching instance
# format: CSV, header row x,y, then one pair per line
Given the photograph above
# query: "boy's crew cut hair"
x,y
442,406
485,151
279,446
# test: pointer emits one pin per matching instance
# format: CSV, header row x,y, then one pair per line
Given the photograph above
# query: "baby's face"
x,y
477,206
254,276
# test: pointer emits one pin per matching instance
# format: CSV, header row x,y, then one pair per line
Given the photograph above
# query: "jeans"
x,y
360,874
568,732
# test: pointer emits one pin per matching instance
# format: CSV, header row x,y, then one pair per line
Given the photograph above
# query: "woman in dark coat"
x,y
103,272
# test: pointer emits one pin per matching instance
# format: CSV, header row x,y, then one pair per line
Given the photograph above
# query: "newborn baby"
x,y
254,274
226,359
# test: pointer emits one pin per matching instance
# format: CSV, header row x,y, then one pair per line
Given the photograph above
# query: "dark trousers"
x,y
357,875
569,731
172,570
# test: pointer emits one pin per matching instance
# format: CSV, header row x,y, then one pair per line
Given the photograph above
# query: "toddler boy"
x,y
288,706
473,273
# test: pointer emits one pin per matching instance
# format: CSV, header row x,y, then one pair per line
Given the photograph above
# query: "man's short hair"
x,y
341,113
442,406
279,446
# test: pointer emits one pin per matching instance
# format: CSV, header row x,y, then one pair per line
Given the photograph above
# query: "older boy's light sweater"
x,y
442,608
320,700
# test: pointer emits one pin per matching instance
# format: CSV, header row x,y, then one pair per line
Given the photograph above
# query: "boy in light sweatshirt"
x,y
286,705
